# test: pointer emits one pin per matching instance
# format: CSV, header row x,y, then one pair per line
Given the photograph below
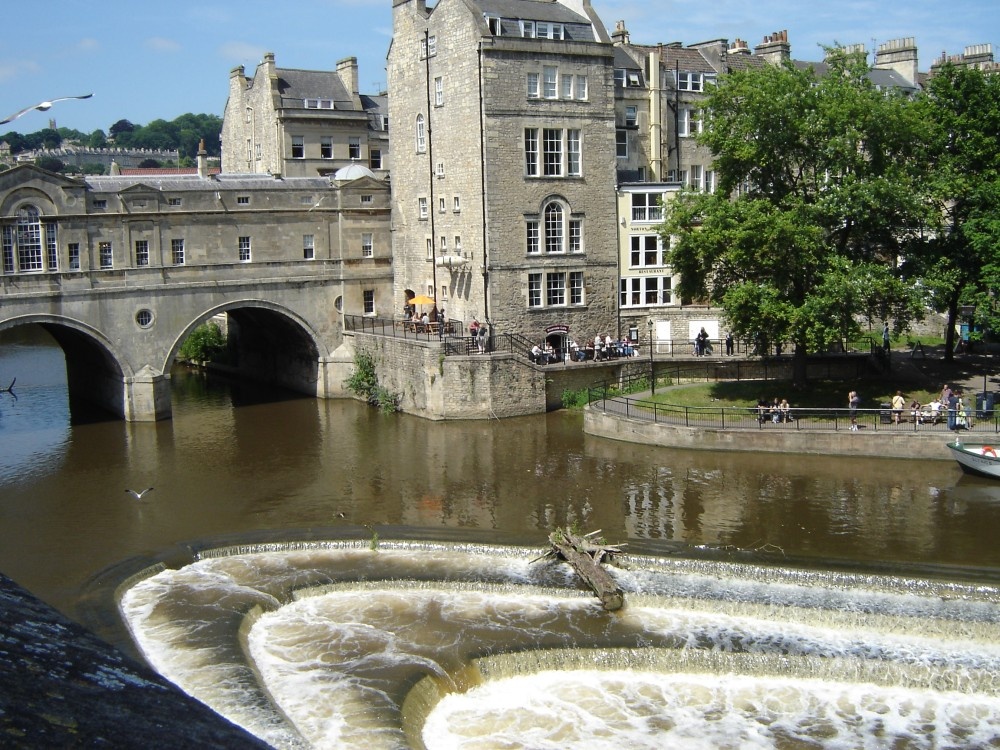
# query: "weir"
x,y
417,645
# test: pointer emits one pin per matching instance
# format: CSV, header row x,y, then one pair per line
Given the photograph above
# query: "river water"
x,y
237,466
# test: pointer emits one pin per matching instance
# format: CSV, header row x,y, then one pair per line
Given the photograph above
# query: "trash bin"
x,y
984,405
885,413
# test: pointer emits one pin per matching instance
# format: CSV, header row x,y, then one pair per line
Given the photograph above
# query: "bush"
x,y
364,383
207,343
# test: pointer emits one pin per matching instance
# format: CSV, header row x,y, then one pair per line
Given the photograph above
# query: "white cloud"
x,y
161,44
11,70
241,51
87,44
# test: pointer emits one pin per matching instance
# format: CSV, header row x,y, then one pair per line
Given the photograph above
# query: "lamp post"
x,y
652,372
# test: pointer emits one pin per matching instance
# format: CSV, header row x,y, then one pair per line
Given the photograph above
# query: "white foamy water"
x,y
323,647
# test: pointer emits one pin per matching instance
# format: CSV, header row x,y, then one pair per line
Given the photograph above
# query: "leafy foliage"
x,y
207,343
818,196
364,383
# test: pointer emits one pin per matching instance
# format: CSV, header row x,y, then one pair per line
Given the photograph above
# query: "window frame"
x,y
244,249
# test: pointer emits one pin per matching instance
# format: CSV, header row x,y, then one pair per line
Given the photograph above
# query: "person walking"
x,y
729,343
853,401
885,337
898,403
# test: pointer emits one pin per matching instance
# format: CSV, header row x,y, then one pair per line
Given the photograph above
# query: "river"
x,y
237,463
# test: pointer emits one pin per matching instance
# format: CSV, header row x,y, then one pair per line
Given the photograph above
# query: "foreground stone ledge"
x,y
61,686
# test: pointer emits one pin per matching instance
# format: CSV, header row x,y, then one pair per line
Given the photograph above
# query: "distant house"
x,y
302,123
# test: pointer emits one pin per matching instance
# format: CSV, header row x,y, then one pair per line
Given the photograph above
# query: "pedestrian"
x,y
729,343
898,403
885,337
481,337
853,401
954,401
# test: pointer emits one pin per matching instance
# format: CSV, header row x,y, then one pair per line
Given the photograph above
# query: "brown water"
x,y
229,465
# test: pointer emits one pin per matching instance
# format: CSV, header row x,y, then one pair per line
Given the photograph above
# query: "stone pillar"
x,y
147,396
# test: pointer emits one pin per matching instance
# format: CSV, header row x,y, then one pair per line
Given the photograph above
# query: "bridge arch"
x,y
97,373
267,343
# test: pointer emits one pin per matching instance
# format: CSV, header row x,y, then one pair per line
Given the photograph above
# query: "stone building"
x,y
503,153
302,123
109,231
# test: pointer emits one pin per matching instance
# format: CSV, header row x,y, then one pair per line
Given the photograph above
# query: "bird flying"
x,y
41,107
138,495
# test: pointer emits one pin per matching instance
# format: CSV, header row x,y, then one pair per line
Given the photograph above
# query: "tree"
x,y
961,258
50,163
817,178
120,128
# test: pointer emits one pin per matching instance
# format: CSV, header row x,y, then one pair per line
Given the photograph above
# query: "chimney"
x,y
620,34
899,55
202,159
739,47
347,71
775,48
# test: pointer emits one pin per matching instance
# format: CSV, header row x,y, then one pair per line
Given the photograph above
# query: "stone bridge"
x,y
121,330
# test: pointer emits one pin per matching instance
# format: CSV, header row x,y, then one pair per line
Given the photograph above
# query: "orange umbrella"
x,y
421,299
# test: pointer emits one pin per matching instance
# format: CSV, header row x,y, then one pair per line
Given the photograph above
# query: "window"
x,y
688,122
457,207
621,144
575,236
144,318
326,147
51,248
249,114
494,24
531,152
177,252
534,290
619,76
553,228
438,91
573,162
439,169
555,289
581,88
646,251
100,203
369,301
106,255
29,240
633,79
367,200
367,245
576,288
74,256
249,149
432,46
8,248
690,81
244,249
458,245
548,30
442,205
242,200
696,177
298,147
308,246
550,79
173,201
631,116
552,157
375,158
567,86
444,245
422,208
354,147
430,249
646,207
709,181
318,103
142,252
532,237
532,85
644,291
528,29
421,135
257,151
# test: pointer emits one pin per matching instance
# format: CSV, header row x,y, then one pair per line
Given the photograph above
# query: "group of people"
x,y
776,411
480,333
959,417
950,405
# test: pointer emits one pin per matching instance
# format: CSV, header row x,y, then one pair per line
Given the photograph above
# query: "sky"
x,y
146,60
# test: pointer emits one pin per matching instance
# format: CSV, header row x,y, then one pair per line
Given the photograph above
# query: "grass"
x,y
822,394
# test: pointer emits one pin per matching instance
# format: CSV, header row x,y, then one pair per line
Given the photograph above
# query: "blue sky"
x,y
148,60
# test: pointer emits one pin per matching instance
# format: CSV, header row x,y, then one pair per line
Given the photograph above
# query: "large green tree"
x,y
816,200
961,257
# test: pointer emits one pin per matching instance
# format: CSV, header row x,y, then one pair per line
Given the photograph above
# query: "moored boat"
x,y
977,458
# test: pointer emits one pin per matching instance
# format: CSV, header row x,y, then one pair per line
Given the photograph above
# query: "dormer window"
x,y
549,30
494,23
318,103
528,29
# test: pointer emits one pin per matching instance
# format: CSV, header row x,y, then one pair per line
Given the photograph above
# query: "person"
x,y
729,343
963,420
945,395
482,335
953,400
609,345
598,347
625,347
786,410
537,355
441,315
474,328
915,411
898,402
407,311
763,409
853,402
701,342
776,410
425,319
885,337
550,353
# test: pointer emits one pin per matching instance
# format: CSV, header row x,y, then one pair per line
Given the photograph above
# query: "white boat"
x,y
977,458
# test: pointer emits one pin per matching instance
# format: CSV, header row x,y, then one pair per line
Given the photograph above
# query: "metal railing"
x,y
967,421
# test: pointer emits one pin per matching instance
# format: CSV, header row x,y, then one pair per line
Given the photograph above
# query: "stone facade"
x,y
302,123
503,143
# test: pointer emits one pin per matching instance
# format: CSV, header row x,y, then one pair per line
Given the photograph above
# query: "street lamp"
x,y
652,372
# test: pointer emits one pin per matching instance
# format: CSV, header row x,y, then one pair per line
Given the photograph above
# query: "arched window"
x,y
421,135
23,250
555,233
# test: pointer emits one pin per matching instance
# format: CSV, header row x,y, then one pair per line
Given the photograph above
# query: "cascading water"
x,y
463,646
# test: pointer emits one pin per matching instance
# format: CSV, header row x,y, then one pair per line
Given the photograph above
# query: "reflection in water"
x,y
352,655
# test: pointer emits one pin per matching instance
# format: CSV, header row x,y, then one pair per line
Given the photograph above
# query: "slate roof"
x,y
295,85
532,10
190,183
686,59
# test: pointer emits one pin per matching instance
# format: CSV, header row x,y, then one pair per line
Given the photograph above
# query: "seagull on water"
x,y
138,495
41,107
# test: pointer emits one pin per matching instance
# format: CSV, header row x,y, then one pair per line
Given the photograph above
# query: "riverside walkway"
x,y
810,431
